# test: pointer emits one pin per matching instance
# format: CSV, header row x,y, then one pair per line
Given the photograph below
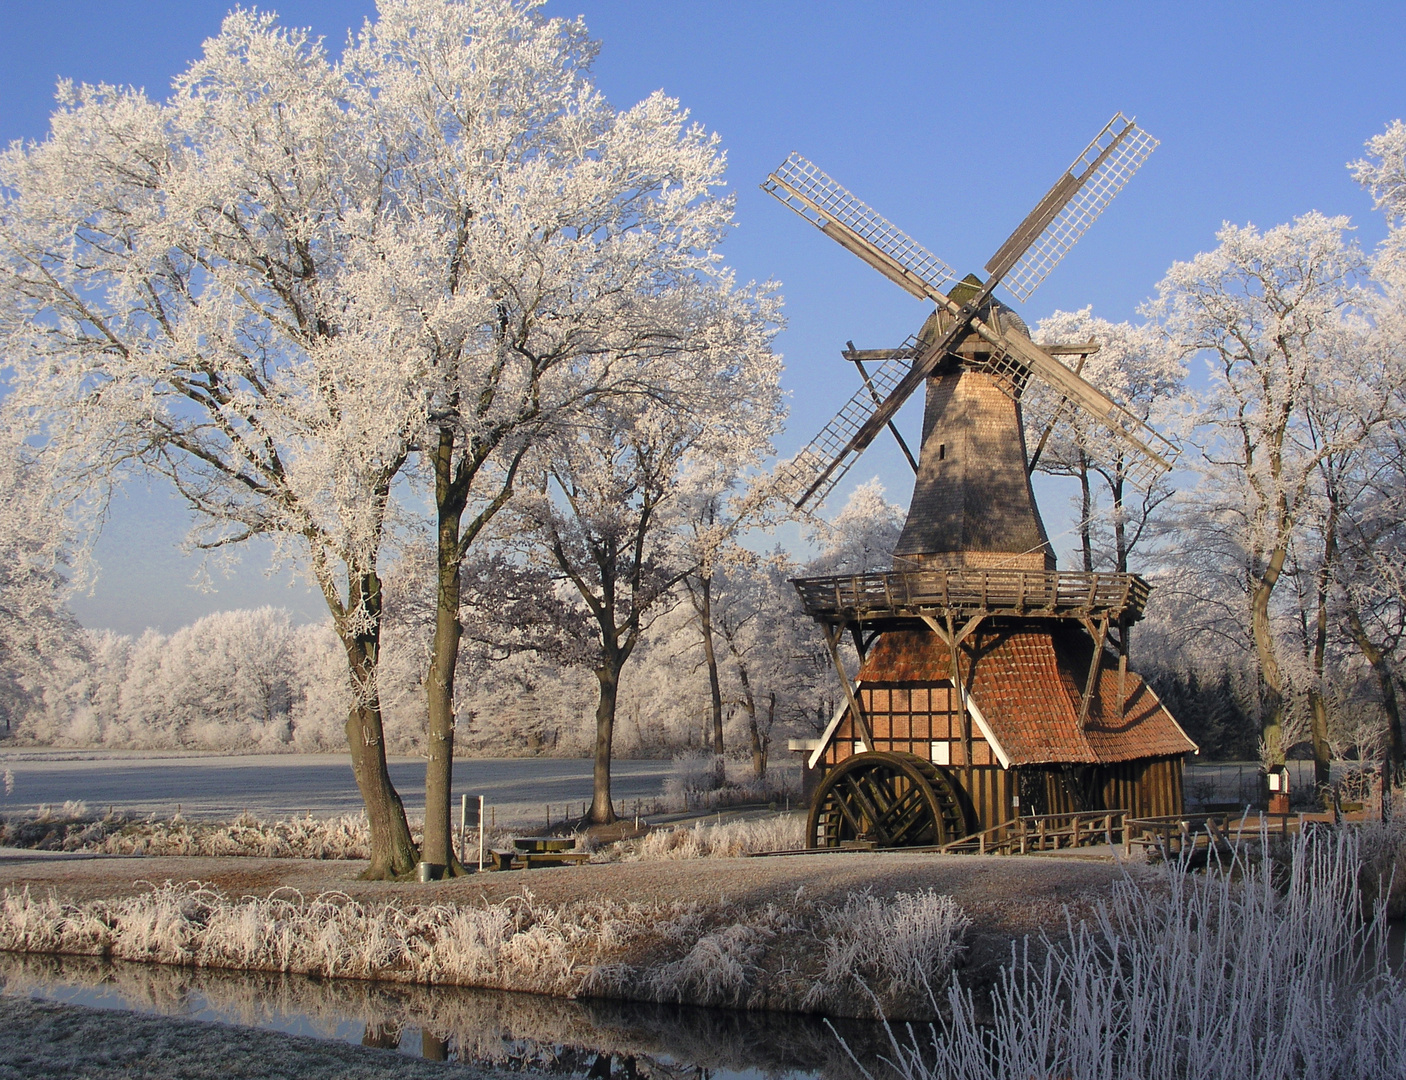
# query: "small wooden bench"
x,y
534,852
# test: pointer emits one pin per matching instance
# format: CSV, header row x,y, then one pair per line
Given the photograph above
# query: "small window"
x,y
942,753
941,451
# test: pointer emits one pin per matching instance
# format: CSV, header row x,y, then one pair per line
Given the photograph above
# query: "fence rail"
x,y
1173,836
1042,832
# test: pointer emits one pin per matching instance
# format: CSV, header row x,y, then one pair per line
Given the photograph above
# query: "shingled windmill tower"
x,y
986,689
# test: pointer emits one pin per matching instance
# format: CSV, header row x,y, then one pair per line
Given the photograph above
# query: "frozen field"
x,y
280,785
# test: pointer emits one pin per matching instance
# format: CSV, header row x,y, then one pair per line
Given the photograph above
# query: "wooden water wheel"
x,y
889,799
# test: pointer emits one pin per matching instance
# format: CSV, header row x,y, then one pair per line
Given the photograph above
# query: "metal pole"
x,y
463,823
480,834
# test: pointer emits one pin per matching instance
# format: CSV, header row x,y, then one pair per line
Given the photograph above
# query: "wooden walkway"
x,y
964,592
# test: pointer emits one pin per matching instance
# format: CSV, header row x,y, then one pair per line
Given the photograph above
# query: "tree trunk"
x,y
438,847
608,675
393,853
1394,753
1272,706
1086,509
760,743
702,597
749,703
1317,705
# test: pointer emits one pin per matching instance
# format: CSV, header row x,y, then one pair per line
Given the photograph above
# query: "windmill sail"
x,y
833,209
1147,454
1071,206
813,473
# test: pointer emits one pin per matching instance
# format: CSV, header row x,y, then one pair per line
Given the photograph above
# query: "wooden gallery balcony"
x,y
963,592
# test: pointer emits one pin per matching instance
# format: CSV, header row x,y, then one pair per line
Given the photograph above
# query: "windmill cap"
x,y
966,289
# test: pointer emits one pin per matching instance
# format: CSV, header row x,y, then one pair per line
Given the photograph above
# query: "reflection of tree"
x,y
381,1036
605,1040
432,1047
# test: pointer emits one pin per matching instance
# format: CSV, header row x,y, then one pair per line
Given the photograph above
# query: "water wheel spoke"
x,y
854,820
856,786
907,814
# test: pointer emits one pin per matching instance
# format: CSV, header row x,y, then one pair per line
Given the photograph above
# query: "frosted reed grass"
x,y
1260,969
726,840
666,952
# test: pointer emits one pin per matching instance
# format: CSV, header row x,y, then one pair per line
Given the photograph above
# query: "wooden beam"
x,y
1123,629
958,685
1078,348
856,711
1090,685
893,428
856,633
856,355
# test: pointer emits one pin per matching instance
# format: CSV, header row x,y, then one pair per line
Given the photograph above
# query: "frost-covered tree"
x,y
296,277
1273,315
769,644
861,537
563,251
1136,366
199,287
612,493
1383,173
37,631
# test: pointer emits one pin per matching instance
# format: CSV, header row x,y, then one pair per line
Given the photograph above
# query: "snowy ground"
x,y
280,785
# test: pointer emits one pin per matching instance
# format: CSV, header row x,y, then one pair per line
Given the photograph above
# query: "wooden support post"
x,y
1100,636
856,711
953,638
1123,630
856,634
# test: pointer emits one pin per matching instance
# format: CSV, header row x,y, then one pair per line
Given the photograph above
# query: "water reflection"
x,y
599,1040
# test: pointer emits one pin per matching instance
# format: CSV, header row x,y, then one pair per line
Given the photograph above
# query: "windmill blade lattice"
x,y
833,209
813,473
1101,171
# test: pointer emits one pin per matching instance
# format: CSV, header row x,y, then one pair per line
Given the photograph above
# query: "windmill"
x,y
943,732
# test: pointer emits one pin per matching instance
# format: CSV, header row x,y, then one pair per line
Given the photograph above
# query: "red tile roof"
x,y
1027,682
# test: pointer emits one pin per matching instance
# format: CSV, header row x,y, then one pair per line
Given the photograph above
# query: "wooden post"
x,y
856,711
953,638
1100,636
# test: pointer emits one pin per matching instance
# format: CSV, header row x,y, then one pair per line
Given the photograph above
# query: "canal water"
x,y
496,1029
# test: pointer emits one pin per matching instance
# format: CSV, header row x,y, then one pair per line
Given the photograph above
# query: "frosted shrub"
x,y
726,840
1262,970
692,783
345,837
895,948
1384,863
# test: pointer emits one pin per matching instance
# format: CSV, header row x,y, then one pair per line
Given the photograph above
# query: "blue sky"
x,y
950,118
